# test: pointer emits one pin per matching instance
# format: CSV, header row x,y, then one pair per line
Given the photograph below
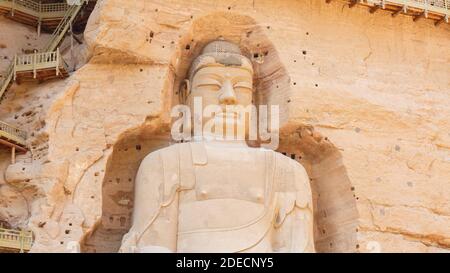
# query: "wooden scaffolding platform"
x,y
42,16
437,10
15,240
34,67
48,63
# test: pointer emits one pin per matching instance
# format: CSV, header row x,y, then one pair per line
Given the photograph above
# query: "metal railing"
x,y
55,7
26,4
16,239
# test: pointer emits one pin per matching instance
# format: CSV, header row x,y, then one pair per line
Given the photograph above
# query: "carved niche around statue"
x,y
213,195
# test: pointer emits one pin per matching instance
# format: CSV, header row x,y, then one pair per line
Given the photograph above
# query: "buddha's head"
x,y
220,76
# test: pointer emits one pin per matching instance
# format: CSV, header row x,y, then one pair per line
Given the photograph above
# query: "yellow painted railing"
x,y
37,61
63,26
437,6
49,56
16,239
35,8
7,79
12,133
32,63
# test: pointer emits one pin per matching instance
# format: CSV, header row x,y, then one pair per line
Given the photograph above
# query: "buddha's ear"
x,y
185,90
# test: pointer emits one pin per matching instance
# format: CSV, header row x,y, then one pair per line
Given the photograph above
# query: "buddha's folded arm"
x,y
154,224
293,223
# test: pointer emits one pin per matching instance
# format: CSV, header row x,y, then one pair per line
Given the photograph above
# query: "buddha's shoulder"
x,y
283,159
283,163
171,150
291,176
289,165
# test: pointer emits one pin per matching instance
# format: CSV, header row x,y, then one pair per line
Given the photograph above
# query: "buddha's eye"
x,y
243,86
210,86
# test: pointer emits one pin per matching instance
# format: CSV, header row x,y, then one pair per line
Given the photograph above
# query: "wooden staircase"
x,y
48,63
38,66
63,26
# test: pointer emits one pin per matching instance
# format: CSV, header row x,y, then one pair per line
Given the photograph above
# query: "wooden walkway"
x,y
437,10
46,16
15,240
36,66
13,138
13,135
39,66
48,63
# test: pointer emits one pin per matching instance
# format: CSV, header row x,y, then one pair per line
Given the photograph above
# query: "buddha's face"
x,y
225,86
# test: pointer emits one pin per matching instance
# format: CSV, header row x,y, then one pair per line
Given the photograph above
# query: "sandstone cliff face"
x,y
365,108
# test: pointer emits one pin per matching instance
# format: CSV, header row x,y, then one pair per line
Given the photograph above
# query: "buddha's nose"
x,y
227,94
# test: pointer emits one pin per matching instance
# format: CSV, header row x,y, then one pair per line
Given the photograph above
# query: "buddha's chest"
x,y
231,174
231,190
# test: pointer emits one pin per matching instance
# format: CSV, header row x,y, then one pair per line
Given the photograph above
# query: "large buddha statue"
x,y
214,194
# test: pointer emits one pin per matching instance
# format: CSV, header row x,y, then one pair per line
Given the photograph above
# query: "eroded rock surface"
x,y
364,102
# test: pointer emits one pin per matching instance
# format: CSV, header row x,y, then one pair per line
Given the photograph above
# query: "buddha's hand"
x,y
129,242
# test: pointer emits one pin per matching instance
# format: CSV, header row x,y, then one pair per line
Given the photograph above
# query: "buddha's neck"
x,y
219,140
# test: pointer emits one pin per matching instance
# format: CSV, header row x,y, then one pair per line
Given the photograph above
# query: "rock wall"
x,y
17,38
25,106
365,105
